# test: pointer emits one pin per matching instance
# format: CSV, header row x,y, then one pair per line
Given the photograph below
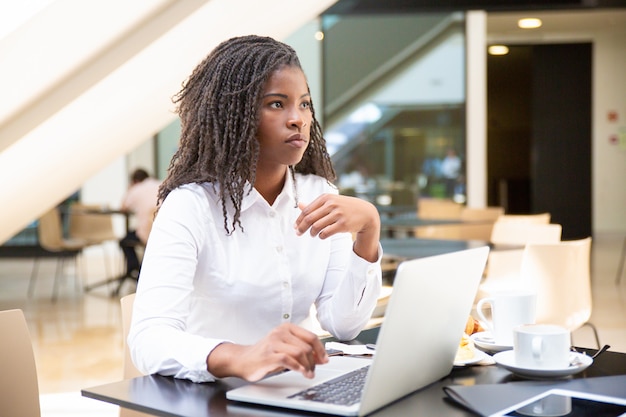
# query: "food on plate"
x,y
466,350
473,326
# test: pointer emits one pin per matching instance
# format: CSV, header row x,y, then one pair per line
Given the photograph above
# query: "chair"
x,y
505,260
540,218
470,214
130,371
508,234
476,224
86,222
19,390
622,261
438,208
560,274
50,233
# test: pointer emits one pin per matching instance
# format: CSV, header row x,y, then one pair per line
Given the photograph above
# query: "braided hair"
x,y
219,111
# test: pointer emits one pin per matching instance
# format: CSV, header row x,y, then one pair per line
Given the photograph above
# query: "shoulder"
x,y
190,197
315,182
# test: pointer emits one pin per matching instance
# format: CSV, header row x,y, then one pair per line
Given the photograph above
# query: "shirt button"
x,y
272,214
285,284
285,316
279,249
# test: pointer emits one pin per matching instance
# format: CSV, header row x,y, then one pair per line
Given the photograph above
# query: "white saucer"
x,y
485,341
478,356
507,360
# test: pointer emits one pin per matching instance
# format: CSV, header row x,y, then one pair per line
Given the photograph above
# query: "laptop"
x,y
431,300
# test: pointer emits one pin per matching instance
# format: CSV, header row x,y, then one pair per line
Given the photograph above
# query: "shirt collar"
x,y
287,194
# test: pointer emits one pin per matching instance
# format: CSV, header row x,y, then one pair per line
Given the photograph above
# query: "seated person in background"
x,y
250,231
141,200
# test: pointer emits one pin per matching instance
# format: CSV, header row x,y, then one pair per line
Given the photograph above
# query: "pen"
x,y
371,346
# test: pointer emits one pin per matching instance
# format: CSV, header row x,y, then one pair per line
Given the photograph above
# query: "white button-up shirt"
x,y
200,287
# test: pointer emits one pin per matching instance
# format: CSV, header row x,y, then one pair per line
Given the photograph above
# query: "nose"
x,y
296,119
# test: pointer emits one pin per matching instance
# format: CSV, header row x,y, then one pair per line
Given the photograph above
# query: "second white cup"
x,y
541,346
508,310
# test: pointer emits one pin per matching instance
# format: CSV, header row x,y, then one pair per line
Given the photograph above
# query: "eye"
x,y
276,105
305,105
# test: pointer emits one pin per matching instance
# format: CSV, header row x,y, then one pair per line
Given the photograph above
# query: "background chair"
x,y
504,263
50,234
510,234
129,368
19,390
438,208
492,213
540,218
87,223
622,261
560,274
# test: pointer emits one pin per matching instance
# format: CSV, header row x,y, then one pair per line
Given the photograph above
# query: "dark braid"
x,y
219,112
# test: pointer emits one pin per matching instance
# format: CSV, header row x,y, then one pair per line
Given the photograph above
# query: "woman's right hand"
x,y
287,346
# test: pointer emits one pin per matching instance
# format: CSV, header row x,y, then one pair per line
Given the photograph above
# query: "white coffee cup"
x,y
508,310
541,346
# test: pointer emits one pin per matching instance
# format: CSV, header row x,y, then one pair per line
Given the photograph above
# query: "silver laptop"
x,y
431,300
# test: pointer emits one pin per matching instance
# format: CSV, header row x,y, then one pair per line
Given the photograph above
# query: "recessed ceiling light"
x,y
498,50
529,23
319,35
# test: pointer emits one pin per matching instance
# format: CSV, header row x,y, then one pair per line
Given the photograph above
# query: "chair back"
x,y
560,273
540,218
129,368
50,231
87,224
19,391
127,315
518,234
438,208
470,214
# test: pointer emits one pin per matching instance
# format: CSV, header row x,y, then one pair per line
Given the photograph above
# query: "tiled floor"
x,y
77,340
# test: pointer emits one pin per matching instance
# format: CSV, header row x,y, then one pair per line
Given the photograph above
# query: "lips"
x,y
296,140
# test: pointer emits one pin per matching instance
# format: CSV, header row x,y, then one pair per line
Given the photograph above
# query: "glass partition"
x,y
394,105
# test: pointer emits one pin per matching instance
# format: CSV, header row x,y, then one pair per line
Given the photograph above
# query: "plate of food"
x,y
467,354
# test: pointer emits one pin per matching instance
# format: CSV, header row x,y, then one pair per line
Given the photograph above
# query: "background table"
x,y
411,248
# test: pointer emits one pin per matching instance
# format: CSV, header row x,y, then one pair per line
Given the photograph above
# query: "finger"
x,y
312,340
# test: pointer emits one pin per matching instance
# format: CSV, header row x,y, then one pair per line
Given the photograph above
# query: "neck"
x,y
270,184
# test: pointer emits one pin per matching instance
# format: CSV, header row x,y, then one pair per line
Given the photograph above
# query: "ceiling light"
x,y
529,23
319,35
498,50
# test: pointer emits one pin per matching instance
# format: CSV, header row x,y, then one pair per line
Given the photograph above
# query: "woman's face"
x,y
285,118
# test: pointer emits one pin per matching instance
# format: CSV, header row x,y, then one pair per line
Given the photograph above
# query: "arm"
x,y
330,214
354,275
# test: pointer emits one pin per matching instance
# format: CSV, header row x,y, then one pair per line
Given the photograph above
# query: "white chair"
x,y
560,274
130,371
539,218
50,234
510,234
438,208
19,390
492,213
505,260
86,223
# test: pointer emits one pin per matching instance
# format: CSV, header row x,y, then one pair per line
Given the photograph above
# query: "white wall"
x,y
609,158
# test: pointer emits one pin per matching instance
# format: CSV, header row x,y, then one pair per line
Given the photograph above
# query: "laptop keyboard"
x,y
343,390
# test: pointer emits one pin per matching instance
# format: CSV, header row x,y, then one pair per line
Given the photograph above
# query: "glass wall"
x,y
394,105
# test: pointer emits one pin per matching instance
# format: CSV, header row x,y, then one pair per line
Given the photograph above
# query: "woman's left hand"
x,y
331,213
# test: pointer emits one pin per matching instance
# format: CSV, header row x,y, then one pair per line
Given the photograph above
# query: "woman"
x,y
250,231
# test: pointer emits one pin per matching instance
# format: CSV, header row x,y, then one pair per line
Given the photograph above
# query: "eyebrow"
x,y
285,96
